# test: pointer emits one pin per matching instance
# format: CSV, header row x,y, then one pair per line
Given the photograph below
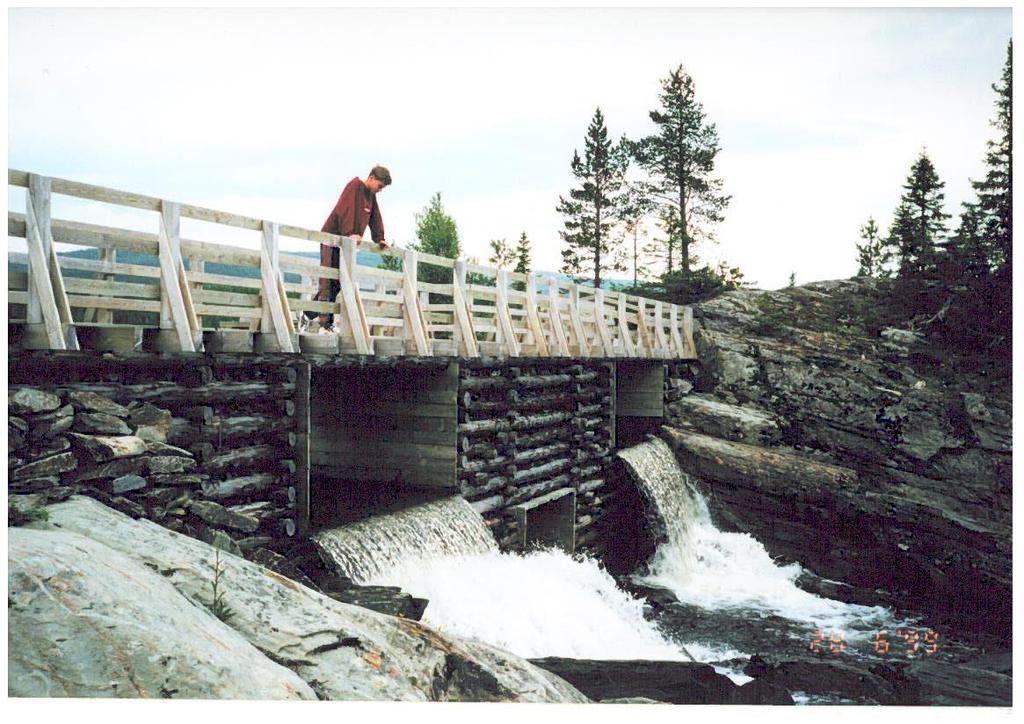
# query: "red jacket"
x,y
356,207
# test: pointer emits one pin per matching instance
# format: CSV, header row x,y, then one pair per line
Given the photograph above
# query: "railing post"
x,y
47,300
276,318
352,313
629,349
533,317
673,323
555,315
645,346
464,332
577,324
607,347
659,331
504,315
690,348
415,325
176,310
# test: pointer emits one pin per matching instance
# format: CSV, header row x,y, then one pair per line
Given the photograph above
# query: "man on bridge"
x,y
356,208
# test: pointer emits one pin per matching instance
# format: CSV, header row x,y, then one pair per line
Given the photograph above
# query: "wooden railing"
x,y
474,311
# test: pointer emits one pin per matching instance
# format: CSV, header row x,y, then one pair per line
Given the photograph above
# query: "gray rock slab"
x,y
28,400
100,423
87,621
91,402
342,651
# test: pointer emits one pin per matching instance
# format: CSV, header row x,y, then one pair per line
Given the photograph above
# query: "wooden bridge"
x,y
189,295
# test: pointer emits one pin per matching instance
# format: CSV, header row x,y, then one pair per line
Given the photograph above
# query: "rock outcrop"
x,y
856,451
103,605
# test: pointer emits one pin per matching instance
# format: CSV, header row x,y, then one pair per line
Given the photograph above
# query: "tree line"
x,y
956,284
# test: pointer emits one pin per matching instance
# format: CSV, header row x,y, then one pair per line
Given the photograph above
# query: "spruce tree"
x,y
871,255
919,223
679,160
437,234
592,207
995,191
522,254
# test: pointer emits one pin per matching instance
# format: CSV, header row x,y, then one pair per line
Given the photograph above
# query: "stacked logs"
x,y
528,429
233,419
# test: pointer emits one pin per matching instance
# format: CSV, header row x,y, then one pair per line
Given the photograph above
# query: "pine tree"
x,y
919,223
437,234
502,255
679,160
871,255
995,191
592,208
522,253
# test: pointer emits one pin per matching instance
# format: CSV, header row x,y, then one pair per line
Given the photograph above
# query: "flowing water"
x,y
733,600
435,530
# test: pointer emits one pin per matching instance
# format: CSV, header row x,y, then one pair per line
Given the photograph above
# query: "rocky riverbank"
x,y
101,605
859,452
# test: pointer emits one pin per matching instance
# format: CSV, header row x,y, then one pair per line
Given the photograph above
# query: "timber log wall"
x,y
273,446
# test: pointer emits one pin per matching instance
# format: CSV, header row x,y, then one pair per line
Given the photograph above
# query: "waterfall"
x,y
441,528
545,603
716,570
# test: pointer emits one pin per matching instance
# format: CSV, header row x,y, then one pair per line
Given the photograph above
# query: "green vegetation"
x,y
956,288
218,608
593,207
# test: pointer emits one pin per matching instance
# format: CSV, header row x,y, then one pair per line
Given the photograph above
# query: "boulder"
x,y
52,465
51,424
100,423
160,448
217,515
112,469
341,651
91,402
170,464
30,401
87,621
675,682
731,422
127,483
101,448
150,422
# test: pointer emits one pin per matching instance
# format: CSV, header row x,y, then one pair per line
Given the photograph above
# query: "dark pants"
x,y
329,288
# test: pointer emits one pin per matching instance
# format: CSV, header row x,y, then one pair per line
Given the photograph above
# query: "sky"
x,y
820,113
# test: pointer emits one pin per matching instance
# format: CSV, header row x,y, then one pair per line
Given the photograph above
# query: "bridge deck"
x,y
232,288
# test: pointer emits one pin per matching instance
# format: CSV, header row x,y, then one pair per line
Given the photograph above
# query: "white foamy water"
x,y
716,570
544,603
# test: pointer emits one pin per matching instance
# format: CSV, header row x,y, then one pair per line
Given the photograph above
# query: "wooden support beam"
x,y
276,318
582,343
352,313
508,336
47,299
605,339
533,318
628,348
555,316
415,325
176,310
465,335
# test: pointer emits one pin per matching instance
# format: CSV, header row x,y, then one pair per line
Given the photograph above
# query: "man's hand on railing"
x,y
382,244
